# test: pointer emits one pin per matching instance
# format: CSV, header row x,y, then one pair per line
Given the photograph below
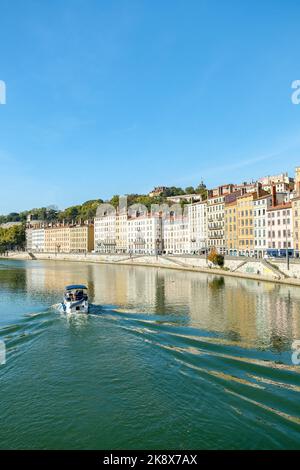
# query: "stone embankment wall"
x,y
239,267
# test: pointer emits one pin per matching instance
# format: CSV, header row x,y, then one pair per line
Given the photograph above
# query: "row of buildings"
x,y
251,219
55,238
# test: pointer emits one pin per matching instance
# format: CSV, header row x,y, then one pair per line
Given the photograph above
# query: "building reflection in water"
x,y
246,311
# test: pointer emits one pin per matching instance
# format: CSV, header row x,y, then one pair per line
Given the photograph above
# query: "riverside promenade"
x,y
243,267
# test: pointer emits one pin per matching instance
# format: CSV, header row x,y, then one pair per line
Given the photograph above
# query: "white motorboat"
x,y
75,299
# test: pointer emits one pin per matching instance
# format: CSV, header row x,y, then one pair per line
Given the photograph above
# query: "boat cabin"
x,y
75,293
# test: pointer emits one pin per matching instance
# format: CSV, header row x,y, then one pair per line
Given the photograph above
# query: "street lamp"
x,y
203,240
193,241
54,241
157,247
286,244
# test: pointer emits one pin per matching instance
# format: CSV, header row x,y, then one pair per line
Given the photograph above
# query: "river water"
x,y
165,359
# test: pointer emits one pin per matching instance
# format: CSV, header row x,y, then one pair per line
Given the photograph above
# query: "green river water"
x,y
165,359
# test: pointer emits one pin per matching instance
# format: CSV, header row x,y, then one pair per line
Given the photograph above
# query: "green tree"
x,y
89,208
12,237
172,191
190,190
201,189
215,258
114,201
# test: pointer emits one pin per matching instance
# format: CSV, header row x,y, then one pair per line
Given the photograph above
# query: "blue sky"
x,y
112,97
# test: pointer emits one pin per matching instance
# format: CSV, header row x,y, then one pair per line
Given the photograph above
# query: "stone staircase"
x,y
275,269
239,265
130,258
178,263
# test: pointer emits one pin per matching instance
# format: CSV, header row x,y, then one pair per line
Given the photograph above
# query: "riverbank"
x,y
260,270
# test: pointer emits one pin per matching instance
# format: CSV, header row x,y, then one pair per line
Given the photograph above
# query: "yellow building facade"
x,y
231,233
57,239
69,239
81,238
245,223
121,233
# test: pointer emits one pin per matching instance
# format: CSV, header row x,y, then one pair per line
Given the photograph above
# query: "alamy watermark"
x,y
176,210
295,97
296,352
2,353
2,92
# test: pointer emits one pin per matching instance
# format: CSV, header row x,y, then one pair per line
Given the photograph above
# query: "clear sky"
x,y
117,96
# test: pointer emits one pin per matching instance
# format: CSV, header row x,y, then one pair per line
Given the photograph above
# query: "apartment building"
x,y
61,238
105,231
82,238
28,236
296,224
245,224
121,232
144,232
282,182
231,222
295,201
260,207
280,228
197,226
37,239
216,217
35,235
111,232
185,197
245,187
57,239
176,234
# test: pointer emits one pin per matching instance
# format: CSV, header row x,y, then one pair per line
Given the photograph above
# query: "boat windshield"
x,y
76,294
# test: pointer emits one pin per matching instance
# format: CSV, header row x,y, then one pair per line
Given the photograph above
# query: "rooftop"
x,y
286,205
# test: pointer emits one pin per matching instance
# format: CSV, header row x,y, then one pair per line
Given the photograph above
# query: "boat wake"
x,y
245,382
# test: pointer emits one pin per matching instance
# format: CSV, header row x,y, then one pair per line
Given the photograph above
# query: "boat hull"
x,y
76,307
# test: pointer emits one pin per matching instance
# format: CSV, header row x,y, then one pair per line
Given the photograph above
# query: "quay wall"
x,y
249,268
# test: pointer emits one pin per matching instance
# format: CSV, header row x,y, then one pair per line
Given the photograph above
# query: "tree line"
x,y
12,238
88,209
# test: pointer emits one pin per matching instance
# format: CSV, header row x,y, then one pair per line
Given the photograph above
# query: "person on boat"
x,y
78,295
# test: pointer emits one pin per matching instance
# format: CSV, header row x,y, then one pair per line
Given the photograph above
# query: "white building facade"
x,y
105,233
28,235
197,227
38,239
144,234
176,239
260,215
280,228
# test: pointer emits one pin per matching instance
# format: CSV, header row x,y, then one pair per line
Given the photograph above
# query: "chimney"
x,y
258,189
297,180
274,202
